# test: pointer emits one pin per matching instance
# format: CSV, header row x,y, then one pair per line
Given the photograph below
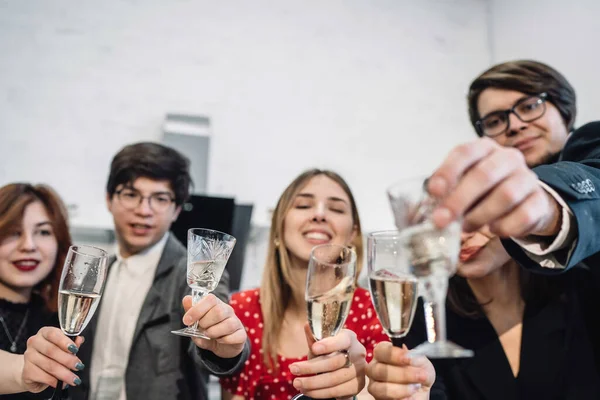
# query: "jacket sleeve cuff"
x,y
554,253
219,366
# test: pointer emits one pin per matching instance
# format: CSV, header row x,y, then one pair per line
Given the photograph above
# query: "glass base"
x,y
442,349
191,332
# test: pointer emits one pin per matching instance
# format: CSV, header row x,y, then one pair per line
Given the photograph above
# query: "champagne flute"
x,y
330,284
79,292
329,288
208,253
432,256
393,288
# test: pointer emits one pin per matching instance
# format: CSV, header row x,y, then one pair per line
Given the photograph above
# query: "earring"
x,y
276,242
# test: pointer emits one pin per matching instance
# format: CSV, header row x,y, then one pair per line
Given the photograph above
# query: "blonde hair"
x,y
277,280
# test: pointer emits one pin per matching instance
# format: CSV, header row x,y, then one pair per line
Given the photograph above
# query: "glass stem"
x,y
434,295
197,295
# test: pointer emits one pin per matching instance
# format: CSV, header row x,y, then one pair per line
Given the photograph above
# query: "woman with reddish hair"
x,y
34,241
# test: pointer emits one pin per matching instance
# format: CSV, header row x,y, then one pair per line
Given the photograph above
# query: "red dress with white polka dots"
x,y
256,381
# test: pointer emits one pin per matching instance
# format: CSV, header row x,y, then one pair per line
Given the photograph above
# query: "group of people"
x,y
524,298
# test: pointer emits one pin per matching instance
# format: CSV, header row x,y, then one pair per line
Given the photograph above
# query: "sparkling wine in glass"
x,y
208,253
330,284
329,288
79,292
393,288
432,256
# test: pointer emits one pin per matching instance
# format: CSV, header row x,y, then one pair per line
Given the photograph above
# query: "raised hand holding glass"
x,y
432,256
208,253
330,284
80,289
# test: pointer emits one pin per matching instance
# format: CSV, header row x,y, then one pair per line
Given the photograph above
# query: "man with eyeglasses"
x,y
130,349
531,176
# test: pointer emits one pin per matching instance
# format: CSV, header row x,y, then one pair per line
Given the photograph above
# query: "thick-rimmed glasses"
x,y
131,199
527,109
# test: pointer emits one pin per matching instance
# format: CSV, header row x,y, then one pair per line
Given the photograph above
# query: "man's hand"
x,y
486,183
219,322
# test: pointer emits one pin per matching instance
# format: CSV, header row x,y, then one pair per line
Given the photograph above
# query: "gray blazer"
x,y
162,365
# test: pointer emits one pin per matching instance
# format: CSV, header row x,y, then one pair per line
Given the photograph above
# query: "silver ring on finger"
x,y
348,363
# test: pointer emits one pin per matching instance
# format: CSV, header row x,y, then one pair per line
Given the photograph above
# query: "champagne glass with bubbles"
x,y
330,284
393,288
79,292
329,288
208,253
432,256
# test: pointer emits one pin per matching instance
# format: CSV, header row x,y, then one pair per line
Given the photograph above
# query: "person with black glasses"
x,y
532,177
533,335
130,352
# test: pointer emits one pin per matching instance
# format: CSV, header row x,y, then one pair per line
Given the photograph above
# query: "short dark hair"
x,y
529,77
153,161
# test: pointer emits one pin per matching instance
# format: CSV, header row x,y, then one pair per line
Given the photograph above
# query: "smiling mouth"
x,y
468,253
141,228
26,265
526,144
317,236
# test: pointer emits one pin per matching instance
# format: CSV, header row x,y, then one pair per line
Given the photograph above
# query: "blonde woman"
x,y
316,208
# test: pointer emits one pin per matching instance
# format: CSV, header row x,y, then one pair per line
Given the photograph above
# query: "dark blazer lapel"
x,y
156,306
487,375
490,372
544,349
542,354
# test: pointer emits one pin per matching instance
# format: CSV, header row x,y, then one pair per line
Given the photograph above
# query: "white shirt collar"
x,y
128,284
145,260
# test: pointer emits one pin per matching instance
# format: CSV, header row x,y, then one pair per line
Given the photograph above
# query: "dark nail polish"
x,y
79,366
73,349
77,381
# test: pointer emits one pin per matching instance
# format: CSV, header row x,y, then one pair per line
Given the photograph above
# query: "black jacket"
x,y
556,352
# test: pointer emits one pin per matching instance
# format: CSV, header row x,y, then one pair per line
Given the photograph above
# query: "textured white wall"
x,y
561,33
372,89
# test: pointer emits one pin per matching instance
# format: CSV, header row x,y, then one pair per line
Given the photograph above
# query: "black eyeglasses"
x,y
527,109
130,199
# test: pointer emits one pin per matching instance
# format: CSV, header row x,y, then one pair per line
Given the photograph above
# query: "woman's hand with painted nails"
x,y
50,355
393,374
335,368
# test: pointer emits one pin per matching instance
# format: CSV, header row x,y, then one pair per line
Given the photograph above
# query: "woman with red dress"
x,y
316,208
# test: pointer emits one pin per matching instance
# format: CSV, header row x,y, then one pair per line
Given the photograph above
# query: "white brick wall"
x,y
373,89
